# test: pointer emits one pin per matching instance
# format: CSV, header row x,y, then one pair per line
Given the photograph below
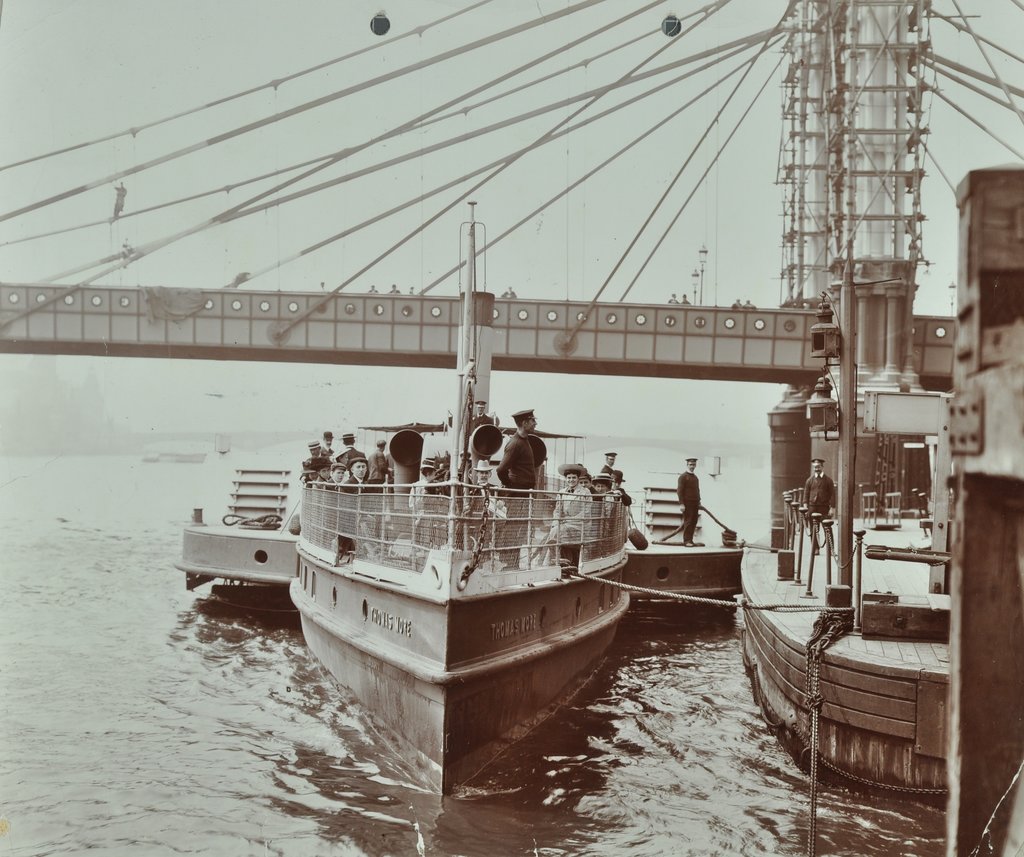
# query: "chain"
x,y
474,560
832,549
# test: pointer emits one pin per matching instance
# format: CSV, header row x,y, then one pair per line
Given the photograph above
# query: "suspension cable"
x,y
454,182
246,206
588,175
361,86
270,84
963,29
966,84
703,175
970,72
291,323
988,62
981,125
942,172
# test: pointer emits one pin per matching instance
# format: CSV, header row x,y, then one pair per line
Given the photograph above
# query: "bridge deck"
x,y
665,340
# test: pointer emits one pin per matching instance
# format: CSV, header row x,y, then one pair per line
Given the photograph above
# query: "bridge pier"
x,y
791,452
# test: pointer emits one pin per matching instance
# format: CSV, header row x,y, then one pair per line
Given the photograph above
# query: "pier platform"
x,y
884,719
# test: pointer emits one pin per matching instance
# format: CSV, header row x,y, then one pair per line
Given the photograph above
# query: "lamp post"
x,y
703,253
695,276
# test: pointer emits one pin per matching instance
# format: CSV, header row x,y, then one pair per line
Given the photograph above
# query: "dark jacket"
x,y
517,469
688,489
820,493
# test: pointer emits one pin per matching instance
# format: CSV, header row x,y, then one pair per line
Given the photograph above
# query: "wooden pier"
x,y
883,722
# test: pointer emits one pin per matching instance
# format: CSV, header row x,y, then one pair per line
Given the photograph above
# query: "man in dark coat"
x,y
819,493
348,453
380,468
517,471
819,490
480,416
609,463
688,491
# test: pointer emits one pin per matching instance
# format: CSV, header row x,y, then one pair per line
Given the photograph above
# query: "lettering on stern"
x,y
390,622
514,626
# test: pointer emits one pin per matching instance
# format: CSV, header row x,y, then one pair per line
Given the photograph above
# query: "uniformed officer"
x,y
819,490
518,471
609,463
688,491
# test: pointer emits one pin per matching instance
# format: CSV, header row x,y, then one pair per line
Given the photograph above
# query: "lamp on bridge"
x,y
703,253
823,410
695,276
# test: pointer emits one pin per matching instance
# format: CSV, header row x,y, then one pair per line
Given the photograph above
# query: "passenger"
x,y
325,445
426,527
571,514
348,452
380,470
357,473
586,481
618,490
688,491
338,473
517,471
602,485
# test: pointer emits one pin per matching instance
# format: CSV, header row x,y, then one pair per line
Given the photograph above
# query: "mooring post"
x,y
815,525
826,525
801,518
859,547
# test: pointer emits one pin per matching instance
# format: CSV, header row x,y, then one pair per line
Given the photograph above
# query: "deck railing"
x,y
511,529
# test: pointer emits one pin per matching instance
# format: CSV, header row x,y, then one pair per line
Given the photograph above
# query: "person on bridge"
x,y
688,491
685,301
120,193
819,494
673,299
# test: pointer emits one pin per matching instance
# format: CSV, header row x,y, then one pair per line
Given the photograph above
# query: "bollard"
x,y
197,517
801,517
785,565
827,525
794,506
859,549
815,524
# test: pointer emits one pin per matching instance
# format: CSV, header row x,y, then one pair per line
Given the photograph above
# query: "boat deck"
x,y
902,578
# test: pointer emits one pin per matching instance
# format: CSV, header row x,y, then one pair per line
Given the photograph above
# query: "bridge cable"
x,y
392,133
980,124
966,84
245,208
283,329
270,84
988,61
953,22
455,182
942,172
714,121
298,109
588,175
970,72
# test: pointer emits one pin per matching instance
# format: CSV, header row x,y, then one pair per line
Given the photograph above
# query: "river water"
x,y
138,718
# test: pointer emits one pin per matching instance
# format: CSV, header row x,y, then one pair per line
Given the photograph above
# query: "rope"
x,y
474,561
263,522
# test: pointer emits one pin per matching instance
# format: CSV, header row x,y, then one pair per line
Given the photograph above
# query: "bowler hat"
x,y
329,435
617,474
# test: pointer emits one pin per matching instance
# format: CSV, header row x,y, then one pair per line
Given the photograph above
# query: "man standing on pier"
x,y
688,491
819,493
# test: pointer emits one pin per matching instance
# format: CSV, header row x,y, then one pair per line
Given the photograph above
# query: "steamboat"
x,y
459,619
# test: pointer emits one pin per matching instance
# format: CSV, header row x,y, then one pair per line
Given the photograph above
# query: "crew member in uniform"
x,y
480,416
819,493
517,471
609,463
688,491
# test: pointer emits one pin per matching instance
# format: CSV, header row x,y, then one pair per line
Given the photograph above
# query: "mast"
x,y
466,367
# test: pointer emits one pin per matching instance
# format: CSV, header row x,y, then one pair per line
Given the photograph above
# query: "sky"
x,y
74,71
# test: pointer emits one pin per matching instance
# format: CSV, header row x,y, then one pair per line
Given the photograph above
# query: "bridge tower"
x,y
851,177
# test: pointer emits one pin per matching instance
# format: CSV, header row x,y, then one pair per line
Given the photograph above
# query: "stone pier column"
x,y
892,336
862,343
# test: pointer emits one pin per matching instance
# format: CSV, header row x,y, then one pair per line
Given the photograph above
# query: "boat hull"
x,y
265,557
668,570
882,724
450,684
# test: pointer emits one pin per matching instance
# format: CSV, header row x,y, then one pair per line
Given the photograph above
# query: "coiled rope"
x,y
263,522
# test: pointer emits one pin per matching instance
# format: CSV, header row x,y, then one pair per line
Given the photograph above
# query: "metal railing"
x,y
510,529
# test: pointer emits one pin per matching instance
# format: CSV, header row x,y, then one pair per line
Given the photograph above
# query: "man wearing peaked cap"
x,y
517,470
688,491
480,416
609,462
819,491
